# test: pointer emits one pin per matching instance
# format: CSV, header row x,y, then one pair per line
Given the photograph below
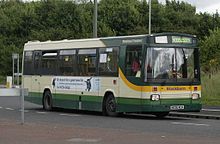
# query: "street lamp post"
x,y
95,19
15,56
149,16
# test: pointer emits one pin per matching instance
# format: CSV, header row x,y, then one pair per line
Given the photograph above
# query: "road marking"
x,y
71,115
25,111
9,109
0,107
189,124
82,140
211,110
41,112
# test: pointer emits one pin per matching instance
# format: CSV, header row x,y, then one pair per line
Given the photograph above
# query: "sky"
x,y
209,6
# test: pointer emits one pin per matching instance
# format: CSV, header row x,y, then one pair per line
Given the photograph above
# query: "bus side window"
x,y
68,63
49,63
108,61
133,60
87,62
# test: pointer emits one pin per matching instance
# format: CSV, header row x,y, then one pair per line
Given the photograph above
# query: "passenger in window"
x,y
149,71
135,67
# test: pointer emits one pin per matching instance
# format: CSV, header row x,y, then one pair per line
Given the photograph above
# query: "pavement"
x,y
207,112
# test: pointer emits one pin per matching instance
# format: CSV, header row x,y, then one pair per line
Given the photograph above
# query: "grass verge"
x,y
211,89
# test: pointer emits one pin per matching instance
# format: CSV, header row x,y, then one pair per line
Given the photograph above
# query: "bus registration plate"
x,y
177,107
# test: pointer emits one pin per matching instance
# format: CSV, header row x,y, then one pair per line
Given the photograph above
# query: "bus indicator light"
x,y
154,89
114,82
195,88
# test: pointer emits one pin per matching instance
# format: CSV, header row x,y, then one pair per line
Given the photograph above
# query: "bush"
x,y
2,80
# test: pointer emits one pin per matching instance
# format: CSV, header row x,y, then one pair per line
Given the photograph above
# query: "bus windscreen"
x,y
170,63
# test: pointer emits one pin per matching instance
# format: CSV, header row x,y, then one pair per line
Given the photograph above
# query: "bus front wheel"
x,y
47,101
109,107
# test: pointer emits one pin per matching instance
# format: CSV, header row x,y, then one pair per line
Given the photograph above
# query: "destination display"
x,y
173,40
183,40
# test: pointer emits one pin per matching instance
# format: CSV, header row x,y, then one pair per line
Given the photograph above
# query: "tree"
x,y
180,17
210,51
205,25
121,16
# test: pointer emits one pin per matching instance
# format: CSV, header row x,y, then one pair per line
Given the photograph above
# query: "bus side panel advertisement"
x,y
90,84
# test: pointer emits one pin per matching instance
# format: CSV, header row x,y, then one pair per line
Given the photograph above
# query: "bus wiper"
x,y
184,56
184,65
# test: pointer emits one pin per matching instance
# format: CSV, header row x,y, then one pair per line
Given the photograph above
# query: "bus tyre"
x,y
161,114
109,108
47,101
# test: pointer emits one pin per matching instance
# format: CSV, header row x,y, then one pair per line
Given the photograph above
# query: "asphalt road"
x,y
80,127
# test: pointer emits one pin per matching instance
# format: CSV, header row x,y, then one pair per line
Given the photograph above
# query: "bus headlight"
x,y
155,97
195,96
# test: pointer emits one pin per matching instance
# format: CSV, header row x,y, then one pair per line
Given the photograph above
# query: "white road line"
x,y
70,115
41,112
83,140
1,107
211,110
25,111
9,109
189,124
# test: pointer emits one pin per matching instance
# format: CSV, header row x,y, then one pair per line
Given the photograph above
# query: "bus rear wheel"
x,y
109,107
47,101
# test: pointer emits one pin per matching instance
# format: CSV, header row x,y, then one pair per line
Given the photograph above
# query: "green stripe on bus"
x,y
94,103
69,96
119,100
134,101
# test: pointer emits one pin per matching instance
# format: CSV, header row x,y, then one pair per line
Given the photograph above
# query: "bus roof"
x,y
69,44
84,43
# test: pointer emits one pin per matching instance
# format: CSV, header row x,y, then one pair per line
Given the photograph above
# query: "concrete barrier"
x,y
12,92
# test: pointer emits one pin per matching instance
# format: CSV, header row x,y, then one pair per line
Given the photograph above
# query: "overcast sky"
x,y
209,6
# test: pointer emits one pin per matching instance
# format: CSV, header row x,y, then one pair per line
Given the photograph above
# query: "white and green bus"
x,y
155,74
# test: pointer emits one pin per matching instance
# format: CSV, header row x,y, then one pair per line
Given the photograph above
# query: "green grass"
x,y
211,89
